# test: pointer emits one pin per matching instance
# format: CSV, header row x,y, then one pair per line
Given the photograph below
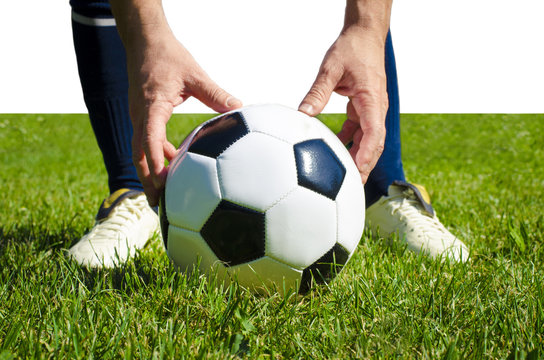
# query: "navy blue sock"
x,y
389,166
102,70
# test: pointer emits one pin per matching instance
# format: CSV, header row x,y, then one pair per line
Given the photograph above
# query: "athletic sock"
x,y
102,70
389,167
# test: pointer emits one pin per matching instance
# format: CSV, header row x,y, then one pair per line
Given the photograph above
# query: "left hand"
x,y
354,67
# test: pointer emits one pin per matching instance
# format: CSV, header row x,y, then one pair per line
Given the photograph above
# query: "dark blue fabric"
x,y
389,167
102,71
94,8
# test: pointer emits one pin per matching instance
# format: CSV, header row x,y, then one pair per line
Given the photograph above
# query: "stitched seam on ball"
x,y
222,197
219,180
226,264
249,207
205,243
230,145
235,141
272,136
248,261
185,228
337,223
208,220
281,198
284,263
296,164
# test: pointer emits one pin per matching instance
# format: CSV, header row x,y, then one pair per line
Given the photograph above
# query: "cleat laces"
x,y
408,207
122,216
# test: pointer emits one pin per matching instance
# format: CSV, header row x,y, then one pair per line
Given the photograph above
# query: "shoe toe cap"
x,y
93,257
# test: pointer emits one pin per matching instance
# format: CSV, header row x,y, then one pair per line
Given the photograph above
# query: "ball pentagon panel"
x,y
216,135
235,233
318,168
336,145
325,268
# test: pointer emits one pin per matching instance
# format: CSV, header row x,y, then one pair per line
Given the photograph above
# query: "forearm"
x,y
368,15
139,20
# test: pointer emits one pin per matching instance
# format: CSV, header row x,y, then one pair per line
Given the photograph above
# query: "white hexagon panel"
x,y
190,249
192,191
300,228
266,274
350,207
257,171
281,122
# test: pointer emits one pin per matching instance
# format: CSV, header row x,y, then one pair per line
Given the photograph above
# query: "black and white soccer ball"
x,y
265,195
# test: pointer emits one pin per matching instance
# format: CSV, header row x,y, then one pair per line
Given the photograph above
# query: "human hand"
x,y
162,75
354,67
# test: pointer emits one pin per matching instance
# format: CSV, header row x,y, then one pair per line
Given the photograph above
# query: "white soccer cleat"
x,y
124,224
407,211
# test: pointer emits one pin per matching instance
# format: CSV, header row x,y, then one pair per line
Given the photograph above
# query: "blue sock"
x,y
101,63
389,166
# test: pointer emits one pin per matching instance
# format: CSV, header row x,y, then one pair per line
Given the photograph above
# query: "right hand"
x,y
354,67
162,75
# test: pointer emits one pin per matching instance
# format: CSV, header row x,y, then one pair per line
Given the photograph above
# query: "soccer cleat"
x,y
407,211
124,224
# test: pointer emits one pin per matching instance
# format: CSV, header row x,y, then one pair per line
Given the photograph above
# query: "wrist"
x,y
139,21
368,16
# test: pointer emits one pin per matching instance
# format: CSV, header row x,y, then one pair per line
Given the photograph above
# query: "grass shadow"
x,y
40,235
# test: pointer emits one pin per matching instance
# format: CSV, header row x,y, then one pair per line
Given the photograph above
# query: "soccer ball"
x,y
264,195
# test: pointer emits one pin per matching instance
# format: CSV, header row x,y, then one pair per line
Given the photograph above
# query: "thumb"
x,y
315,100
211,95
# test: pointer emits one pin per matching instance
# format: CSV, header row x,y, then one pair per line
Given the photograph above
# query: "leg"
x,y
395,206
102,71
124,222
389,166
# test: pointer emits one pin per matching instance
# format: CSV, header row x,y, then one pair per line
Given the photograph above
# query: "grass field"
x,y
484,172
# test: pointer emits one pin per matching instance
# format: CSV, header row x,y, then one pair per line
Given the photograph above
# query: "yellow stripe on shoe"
x,y
113,200
424,194
421,194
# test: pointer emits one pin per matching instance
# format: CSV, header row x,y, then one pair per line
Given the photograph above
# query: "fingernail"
x,y
232,101
306,108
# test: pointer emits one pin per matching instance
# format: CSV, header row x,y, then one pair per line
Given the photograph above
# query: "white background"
x,y
454,56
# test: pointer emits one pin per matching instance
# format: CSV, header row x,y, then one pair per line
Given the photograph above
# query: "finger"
x,y
356,143
211,95
140,162
357,138
372,120
153,141
350,125
326,81
346,133
170,150
151,192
